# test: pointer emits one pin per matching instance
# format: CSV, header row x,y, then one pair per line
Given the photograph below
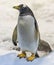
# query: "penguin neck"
x,y
24,14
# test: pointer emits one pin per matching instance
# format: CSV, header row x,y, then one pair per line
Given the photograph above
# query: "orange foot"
x,y
22,55
31,58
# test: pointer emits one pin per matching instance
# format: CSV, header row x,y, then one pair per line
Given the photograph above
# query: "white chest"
x,y
26,33
26,28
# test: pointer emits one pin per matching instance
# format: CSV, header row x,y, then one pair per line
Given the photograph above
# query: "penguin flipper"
x,y
14,36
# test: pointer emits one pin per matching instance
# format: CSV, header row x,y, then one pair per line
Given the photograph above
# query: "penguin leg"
x,y
22,55
14,36
31,58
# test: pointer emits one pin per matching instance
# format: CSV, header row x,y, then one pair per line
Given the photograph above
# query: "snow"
x,y
4,52
44,13
12,59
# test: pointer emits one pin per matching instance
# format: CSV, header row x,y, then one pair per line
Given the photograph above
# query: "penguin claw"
x,y
31,58
19,57
22,55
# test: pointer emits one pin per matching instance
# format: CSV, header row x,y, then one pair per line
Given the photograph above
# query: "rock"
x,y
43,49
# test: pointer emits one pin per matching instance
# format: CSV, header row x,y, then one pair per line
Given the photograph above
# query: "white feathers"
x,y
26,34
24,5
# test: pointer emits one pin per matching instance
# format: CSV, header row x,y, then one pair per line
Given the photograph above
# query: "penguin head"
x,y
23,9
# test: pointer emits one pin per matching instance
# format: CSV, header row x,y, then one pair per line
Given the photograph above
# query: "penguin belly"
x,y
26,34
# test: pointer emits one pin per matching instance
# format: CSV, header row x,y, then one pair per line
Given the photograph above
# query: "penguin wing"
x,y
37,34
14,36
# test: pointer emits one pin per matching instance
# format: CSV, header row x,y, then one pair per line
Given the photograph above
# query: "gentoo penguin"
x,y
27,32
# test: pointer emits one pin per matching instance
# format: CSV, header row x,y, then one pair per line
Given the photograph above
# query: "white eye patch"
x,y
24,5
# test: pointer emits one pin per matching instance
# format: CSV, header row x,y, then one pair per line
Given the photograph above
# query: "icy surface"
x,y
12,59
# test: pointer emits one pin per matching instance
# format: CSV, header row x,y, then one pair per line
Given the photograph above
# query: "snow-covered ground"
x,y
43,11
12,59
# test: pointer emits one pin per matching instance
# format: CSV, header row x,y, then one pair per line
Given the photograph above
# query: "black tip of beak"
x,y
13,6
